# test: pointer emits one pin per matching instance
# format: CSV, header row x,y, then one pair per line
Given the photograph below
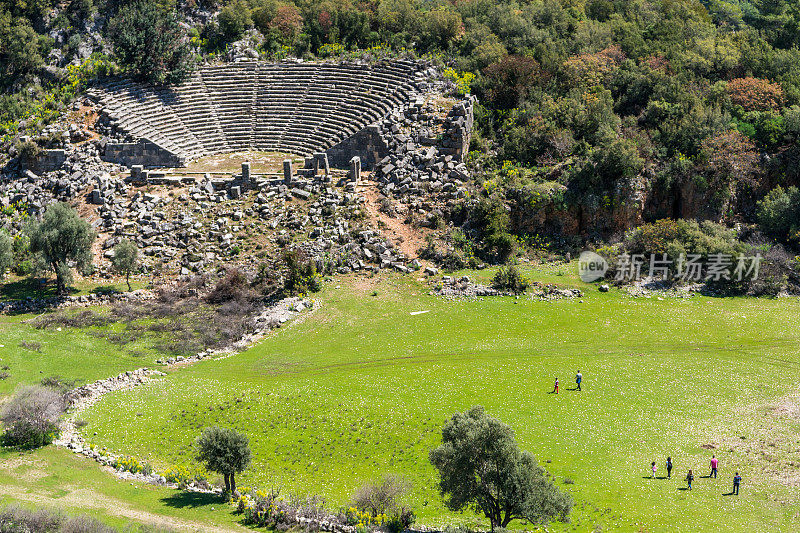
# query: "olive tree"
x,y
125,260
224,451
62,237
481,467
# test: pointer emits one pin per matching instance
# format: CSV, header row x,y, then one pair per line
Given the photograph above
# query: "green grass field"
x,y
361,387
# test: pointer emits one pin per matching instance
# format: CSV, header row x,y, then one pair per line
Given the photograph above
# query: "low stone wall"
x,y
79,399
35,305
143,153
49,160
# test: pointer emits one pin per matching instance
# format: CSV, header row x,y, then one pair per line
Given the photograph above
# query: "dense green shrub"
x,y
491,217
149,42
778,214
233,20
510,279
301,274
676,237
29,152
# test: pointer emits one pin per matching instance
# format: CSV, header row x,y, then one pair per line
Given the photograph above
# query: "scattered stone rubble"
x,y
547,292
454,288
426,149
660,289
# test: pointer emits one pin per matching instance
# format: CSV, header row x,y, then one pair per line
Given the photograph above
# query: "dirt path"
x,y
407,239
89,499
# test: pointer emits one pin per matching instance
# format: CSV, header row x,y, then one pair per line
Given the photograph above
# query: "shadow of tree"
x,y
182,499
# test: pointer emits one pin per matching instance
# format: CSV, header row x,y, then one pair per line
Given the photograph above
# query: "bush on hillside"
x,y
676,237
233,286
510,279
149,42
31,416
778,214
301,276
491,217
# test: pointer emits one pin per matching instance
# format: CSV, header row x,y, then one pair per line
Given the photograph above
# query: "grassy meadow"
x,y
360,388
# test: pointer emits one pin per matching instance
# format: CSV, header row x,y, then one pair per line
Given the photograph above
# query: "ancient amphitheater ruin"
x,y
289,107
145,163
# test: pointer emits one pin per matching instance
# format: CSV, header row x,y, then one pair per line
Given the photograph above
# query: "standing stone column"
x,y
136,172
325,164
315,163
321,160
246,174
287,171
355,169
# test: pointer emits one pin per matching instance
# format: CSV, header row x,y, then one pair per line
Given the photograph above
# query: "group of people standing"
x,y
737,479
578,379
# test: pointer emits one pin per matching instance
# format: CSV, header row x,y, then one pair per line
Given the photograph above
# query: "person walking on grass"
x,y
669,467
714,463
737,479
689,479
653,468
555,390
578,379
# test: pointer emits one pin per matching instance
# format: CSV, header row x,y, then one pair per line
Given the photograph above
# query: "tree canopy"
x,y
224,451
149,41
63,238
126,258
481,467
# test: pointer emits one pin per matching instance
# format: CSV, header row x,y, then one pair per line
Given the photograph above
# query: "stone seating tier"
x,y
290,107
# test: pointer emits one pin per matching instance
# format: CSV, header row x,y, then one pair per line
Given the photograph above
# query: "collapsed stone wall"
x,y
368,145
141,152
49,160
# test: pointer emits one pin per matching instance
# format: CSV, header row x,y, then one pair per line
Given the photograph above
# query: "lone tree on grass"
x,y
481,467
63,237
126,257
224,451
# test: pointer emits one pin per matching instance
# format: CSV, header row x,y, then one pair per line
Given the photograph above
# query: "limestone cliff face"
x,y
548,208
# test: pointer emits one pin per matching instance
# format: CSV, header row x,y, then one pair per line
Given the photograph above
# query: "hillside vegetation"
x,y
596,116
